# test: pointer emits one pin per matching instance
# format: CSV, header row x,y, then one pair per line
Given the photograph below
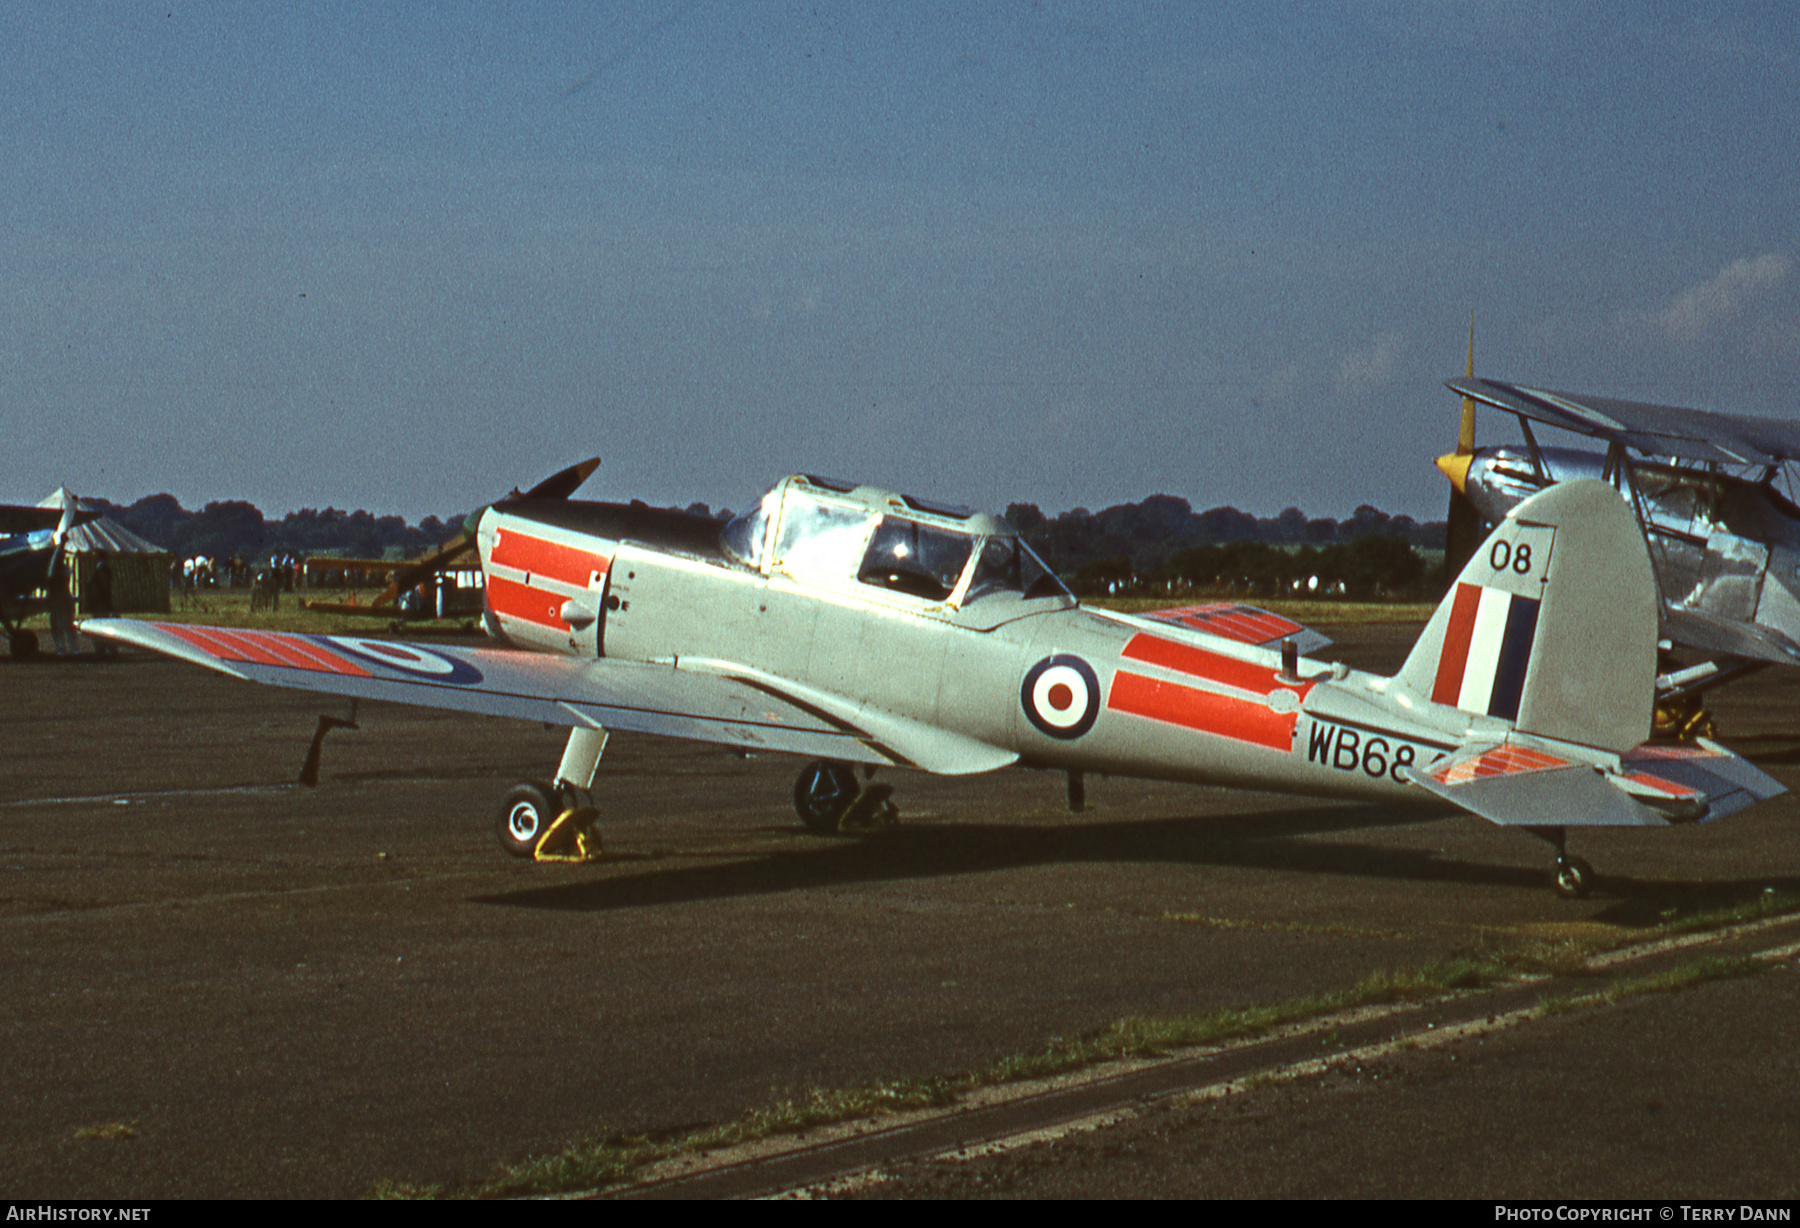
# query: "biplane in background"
x,y
1723,538
30,538
444,582
853,626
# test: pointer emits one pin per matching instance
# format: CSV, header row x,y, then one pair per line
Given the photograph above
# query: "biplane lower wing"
x,y
1711,633
711,704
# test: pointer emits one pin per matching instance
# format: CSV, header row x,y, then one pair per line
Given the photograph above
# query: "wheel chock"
x,y
870,812
571,838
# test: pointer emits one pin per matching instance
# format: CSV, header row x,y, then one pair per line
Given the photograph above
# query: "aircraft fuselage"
x,y
1060,685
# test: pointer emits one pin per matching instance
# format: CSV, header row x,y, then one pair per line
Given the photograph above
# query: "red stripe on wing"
x,y
264,648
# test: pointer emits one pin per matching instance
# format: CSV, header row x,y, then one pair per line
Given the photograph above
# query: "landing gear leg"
x,y
1570,877
829,801
554,821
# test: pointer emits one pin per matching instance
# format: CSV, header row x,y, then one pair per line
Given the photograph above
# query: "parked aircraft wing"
x,y
17,518
1247,624
1661,430
747,711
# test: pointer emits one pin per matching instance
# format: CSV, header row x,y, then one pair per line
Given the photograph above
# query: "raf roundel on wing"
x,y
425,664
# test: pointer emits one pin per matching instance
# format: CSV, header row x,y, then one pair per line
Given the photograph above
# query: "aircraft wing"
x,y
1655,786
1247,624
17,518
717,703
1660,430
1729,637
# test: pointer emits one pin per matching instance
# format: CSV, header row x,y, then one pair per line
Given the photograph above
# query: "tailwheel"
x,y
1572,877
526,815
1682,720
823,794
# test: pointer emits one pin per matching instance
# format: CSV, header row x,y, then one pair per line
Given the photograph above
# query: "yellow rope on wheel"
x,y
571,838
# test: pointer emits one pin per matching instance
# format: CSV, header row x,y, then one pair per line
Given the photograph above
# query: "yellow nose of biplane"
x,y
1455,466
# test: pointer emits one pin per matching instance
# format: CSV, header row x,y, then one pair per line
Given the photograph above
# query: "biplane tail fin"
x,y
1551,625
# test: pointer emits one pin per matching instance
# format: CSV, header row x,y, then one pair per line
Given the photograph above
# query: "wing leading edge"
x,y
714,704
1661,430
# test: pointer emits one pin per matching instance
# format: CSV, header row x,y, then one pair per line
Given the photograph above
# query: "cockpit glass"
x,y
915,558
744,536
1007,565
819,536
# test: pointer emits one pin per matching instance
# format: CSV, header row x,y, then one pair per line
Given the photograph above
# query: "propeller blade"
x,y
562,485
1465,430
1466,529
1463,536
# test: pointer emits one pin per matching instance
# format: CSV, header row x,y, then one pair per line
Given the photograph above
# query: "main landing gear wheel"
x,y
1572,878
526,815
823,794
22,644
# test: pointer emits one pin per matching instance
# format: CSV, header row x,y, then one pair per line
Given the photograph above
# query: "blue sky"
x,y
405,257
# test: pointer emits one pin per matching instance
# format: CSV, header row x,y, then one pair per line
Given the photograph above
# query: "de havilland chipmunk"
x,y
1724,542
853,626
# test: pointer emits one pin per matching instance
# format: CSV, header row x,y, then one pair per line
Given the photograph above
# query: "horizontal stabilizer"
x,y
1655,786
1520,787
1701,775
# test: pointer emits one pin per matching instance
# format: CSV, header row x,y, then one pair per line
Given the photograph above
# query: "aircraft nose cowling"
x,y
1455,466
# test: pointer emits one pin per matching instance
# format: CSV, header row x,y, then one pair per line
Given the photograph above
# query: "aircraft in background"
x,y
444,582
1724,540
854,626
30,538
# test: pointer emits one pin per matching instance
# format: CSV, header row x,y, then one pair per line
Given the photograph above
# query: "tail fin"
x,y
1551,625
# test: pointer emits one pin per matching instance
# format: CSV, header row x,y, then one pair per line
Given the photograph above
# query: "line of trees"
x,y
1162,547
1159,546
236,528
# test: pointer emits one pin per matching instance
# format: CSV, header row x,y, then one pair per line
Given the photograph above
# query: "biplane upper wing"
x,y
713,702
1659,430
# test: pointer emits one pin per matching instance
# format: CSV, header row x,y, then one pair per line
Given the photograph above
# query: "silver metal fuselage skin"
x,y
1060,686
1721,546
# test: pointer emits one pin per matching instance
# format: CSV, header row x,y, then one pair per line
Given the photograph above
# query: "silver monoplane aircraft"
x,y
852,626
1724,539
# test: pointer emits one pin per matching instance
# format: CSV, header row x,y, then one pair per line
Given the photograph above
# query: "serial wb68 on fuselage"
x,y
856,626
